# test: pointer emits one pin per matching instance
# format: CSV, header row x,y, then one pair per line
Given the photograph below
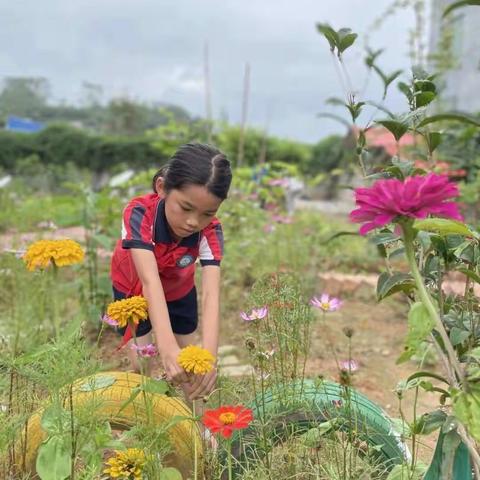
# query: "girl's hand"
x,y
202,385
174,372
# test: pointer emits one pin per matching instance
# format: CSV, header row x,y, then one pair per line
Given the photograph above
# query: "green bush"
x,y
60,145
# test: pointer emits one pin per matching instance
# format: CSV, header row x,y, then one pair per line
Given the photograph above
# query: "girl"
x,y
163,233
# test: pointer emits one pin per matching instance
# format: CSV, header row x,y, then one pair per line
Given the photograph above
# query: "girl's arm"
x,y
204,384
211,307
146,267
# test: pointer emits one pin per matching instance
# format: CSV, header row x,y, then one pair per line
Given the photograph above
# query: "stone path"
x,y
229,364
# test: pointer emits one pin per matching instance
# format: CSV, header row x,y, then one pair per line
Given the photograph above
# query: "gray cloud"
x,y
153,50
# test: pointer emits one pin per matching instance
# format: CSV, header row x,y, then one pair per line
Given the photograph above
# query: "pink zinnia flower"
x,y
348,366
255,314
149,350
415,197
326,303
109,321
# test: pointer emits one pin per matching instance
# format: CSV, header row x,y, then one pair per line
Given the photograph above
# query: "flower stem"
x,y
195,459
428,303
229,451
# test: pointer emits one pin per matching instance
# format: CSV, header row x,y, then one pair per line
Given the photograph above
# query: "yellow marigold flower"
x,y
195,359
59,252
126,464
132,309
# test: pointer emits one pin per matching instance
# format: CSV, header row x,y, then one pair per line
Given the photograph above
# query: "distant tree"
x,y
92,94
24,96
327,155
125,117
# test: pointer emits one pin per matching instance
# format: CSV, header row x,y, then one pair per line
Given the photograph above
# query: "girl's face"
x,y
190,209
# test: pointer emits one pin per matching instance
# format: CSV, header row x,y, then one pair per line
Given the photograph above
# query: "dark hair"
x,y
197,164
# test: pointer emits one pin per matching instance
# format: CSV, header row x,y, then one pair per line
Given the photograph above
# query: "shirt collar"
x,y
162,231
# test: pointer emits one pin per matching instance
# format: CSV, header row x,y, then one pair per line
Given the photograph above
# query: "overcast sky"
x,y
153,50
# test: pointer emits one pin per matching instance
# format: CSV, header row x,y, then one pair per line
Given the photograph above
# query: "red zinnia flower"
x,y
415,197
226,419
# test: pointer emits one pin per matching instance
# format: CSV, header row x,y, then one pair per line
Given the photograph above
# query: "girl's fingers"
x,y
205,386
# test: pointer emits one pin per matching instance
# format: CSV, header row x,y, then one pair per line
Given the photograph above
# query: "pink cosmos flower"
x,y
326,303
278,182
282,219
146,351
348,366
415,197
255,314
268,228
109,321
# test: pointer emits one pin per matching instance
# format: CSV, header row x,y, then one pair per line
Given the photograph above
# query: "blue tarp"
x,y
17,124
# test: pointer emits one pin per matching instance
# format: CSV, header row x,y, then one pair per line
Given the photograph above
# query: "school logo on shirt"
x,y
185,261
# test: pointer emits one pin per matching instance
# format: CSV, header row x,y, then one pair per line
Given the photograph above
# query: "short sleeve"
x,y
137,226
211,244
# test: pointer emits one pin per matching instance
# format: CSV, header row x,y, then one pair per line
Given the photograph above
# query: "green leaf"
x,y
96,383
433,140
55,420
406,90
443,226
330,34
389,284
383,238
335,101
346,39
313,437
420,326
398,129
424,86
451,442
405,166
424,98
156,386
460,4
340,234
423,374
443,117
355,109
372,56
53,458
390,78
387,79
429,422
458,335
170,473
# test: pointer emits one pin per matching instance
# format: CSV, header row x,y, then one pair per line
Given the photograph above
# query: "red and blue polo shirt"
x,y
145,226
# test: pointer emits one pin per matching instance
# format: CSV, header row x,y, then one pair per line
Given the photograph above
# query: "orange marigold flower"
x,y
59,252
132,309
226,419
126,464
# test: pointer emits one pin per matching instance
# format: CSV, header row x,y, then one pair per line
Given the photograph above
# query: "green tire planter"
x,y
301,406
